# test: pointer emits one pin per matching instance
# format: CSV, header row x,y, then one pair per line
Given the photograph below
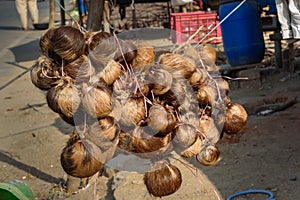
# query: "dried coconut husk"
x,y
179,93
128,52
93,39
182,65
236,118
223,86
143,144
189,103
206,95
227,101
103,132
161,78
96,99
219,121
210,51
64,97
68,43
80,69
226,86
162,179
109,128
80,157
145,55
194,149
208,129
186,133
45,41
128,108
46,45
111,72
112,48
209,155
129,113
193,54
207,58
198,78
161,120
44,74
138,81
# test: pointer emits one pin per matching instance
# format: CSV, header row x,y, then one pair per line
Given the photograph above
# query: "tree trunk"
x,y
51,13
95,15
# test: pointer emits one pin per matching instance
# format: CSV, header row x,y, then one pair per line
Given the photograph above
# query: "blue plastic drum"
x,y
242,33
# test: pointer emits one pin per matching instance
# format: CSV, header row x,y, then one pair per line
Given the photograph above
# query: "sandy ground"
x,y
262,156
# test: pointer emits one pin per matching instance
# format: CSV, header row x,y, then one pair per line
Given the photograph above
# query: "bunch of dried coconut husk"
x,y
123,97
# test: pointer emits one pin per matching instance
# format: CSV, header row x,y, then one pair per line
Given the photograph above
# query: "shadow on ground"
x,y
29,169
26,52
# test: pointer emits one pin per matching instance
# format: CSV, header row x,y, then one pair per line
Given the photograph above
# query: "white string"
x,y
132,4
212,30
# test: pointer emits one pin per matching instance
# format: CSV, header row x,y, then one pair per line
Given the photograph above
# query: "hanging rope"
x,y
81,28
212,30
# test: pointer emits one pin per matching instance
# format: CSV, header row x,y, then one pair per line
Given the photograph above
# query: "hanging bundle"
x,y
96,99
236,118
44,74
68,43
80,158
64,98
123,98
162,179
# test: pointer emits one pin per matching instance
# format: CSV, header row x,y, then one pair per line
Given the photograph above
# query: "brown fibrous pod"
x,y
80,69
180,64
160,120
80,157
143,144
103,132
44,74
208,129
161,78
68,43
47,46
210,51
145,55
235,119
208,57
93,39
198,78
111,72
194,149
112,48
64,97
209,155
96,99
207,95
163,179
129,114
185,135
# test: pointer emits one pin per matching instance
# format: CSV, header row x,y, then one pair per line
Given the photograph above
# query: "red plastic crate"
x,y
186,24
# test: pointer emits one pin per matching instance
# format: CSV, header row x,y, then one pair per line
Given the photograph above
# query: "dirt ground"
x,y
262,156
